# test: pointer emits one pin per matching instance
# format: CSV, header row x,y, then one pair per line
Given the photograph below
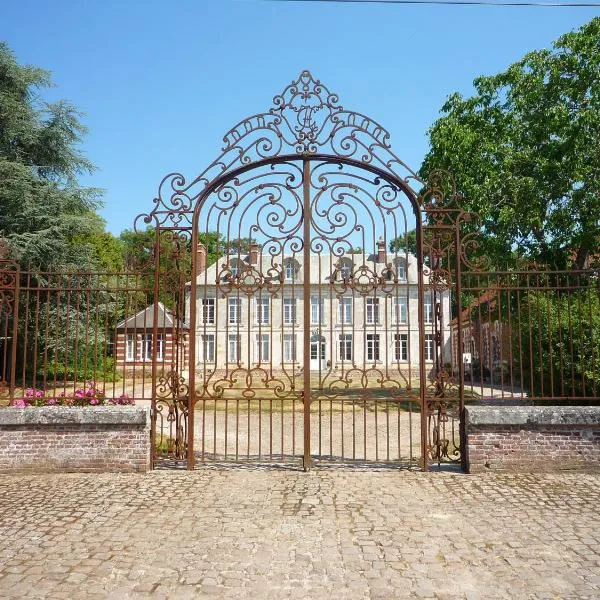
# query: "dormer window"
x,y
401,269
290,269
345,269
234,267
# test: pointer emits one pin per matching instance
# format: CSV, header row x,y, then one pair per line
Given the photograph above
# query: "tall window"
x,y
401,346
147,346
429,346
263,347
289,310
317,311
372,311
262,310
235,268
234,306
208,310
130,347
345,311
208,347
346,346
289,348
373,346
401,272
428,308
290,269
400,308
234,348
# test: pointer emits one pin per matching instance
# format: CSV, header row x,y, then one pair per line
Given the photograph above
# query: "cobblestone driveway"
x,y
332,533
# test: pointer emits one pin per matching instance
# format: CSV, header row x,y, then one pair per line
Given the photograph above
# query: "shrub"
x,y
88,395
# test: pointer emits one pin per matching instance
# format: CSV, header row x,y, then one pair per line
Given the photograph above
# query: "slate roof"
x,y
145,319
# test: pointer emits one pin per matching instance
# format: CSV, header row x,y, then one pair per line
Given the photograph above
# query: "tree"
x,y
524,152
405,243
46,215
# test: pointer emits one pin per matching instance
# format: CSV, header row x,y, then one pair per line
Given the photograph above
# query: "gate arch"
x,y
320,158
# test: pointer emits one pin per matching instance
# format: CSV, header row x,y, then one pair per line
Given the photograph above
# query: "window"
x,y
234,266
130,347
290,269
429,347
317,311
402,272
208,347
372,311
263,349
235,310
345,311
289,348
428,308
208,310
346,269
372,346
400,308
289,310
147,346
234,347
401,346
262,310
346,346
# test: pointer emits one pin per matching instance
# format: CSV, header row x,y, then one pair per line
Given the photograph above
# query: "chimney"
x,y
381,253
254,253
200,258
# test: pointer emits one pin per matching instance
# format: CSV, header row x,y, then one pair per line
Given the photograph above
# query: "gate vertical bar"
x,y
306,396
459,347
191,457
156,289
15,333
421,316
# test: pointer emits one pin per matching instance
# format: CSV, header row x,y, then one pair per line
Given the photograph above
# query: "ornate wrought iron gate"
x,y
312,328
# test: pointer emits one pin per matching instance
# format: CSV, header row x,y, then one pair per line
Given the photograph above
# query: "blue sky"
x,y
160,83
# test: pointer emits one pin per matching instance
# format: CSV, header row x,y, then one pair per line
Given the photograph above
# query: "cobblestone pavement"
x,y
274,533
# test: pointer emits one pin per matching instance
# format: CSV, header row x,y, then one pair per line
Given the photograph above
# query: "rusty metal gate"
x,y
311,326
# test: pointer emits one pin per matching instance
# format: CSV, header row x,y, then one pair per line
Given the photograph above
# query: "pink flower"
x,y
51,401
20,403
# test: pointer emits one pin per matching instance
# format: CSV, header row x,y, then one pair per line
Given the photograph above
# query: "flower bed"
x,y
88,395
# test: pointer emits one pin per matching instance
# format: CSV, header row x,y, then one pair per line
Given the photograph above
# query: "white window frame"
x,y
346,310
346,270
400,308
208,311
263,348
428,308
345,347
401,347
130,347
401,272
289,311
234,267
234,310
263,311
429,348
234,348
289,347
289,270
373,347
147,346
317,310
372,311
208,347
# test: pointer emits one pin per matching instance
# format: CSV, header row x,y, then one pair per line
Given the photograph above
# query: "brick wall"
x,y
65,439
533,439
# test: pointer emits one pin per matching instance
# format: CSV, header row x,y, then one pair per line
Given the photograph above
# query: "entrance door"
x,y
317,353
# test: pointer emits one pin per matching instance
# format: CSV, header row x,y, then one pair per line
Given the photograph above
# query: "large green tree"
x,y
525,152
46,214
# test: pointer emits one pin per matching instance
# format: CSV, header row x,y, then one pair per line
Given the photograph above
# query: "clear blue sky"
x,y
160,83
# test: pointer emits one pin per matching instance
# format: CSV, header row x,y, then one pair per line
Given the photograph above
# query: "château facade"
x,y
363,312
